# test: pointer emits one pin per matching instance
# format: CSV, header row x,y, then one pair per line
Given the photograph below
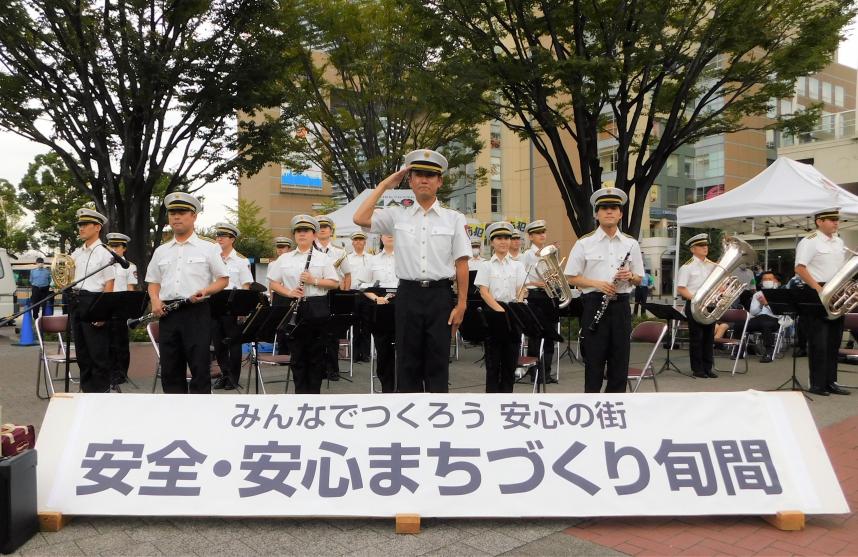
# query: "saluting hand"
x,y
394,179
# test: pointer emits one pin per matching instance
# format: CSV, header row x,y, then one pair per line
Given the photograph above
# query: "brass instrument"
x,y
550,270
721,287
840,294
62,270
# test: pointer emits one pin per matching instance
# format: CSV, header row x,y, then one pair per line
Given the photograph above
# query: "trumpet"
x,y
134,323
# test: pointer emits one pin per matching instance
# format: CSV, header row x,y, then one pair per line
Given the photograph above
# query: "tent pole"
x,y
676,261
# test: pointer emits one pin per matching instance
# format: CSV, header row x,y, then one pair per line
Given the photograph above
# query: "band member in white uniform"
x,y
186,267
515,245
701,338
499,280
544,307
91,339
282,245
431,247
226,332
358,261
125,279
476,259
381,273
606,265
308,274
339,259
818,257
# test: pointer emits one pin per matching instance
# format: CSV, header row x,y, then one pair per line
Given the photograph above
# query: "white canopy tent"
x,y
779,201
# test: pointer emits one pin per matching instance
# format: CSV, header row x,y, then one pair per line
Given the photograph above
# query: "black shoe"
x,y
800,352
220,383
836,389
765,360
334,377
818,391
733,356
116,389
229,385
711,375
552,380
699,375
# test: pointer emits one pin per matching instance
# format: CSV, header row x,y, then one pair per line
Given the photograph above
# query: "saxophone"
x,y
721,288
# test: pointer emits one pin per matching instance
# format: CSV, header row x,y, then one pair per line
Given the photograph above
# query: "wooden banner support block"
x,y
52,521
786,520
408,524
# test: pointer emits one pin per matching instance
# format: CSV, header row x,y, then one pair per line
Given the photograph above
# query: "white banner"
x,y
457,455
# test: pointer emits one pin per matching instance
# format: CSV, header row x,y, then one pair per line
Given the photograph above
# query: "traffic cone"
x,y
27,338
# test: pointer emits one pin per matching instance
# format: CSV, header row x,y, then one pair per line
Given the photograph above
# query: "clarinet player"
x,y
606,265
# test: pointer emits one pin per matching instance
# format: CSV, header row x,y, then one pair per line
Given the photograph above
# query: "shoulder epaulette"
x,y
587,235
811,235
207,239
709,261
628,236
690,259
241,255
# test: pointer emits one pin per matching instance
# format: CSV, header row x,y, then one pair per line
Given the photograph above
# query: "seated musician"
x,y
499,280
307,274
380,273
763,319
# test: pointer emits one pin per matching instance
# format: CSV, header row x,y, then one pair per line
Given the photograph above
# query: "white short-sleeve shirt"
x,y
694,273
822,255
238,269
124,277
89,258
503,277
599,256
183,268
289,266
382,270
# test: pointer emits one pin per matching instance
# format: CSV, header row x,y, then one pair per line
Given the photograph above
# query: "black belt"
x,y
427,283
617,298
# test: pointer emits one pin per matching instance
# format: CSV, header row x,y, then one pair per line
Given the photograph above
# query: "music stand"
x,y
261,326
120,306
342,318
237,302
794,301
574,309
381,321
530,325
669,314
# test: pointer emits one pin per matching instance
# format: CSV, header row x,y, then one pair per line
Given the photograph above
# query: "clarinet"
x,y
293,310
607,299
134,323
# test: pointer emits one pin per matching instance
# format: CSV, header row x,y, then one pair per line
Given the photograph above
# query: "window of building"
x,y
688,167
813,88
608,159
495,135
496,168
786,107
672,197
497,205
838,96
801,86
671,167
772,111
770,139
709,165
827,96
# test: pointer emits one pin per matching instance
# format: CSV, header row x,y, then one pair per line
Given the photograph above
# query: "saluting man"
x,y
186,267
818,257
125,279
226,332
431,246
606,262
91,339
499,280
701,338
544,307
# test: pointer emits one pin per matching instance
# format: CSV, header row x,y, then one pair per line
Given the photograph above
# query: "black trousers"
x,y
546,311
331,349
501,361
767,325
282,337
119,352
92,346
385,367
306,347
185,337
701,344
823,344
641,295
606,350
423,339
226,333
37,294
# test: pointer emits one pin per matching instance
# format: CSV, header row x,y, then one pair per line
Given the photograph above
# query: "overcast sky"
x,y
17,153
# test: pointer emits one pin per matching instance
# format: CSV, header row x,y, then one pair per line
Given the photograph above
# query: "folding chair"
x,y
346,349
648,332
51,324
849,355
735,346
153,329
258,360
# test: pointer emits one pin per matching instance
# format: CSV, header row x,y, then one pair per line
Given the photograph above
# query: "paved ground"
x,y
837,418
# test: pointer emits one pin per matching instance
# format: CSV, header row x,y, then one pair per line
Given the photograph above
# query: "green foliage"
x,y
716,239
255,239
326,207
49,190
652,76
363,91
13,235
136,92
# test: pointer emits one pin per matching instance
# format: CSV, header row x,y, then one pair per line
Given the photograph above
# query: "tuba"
x,y
721,288
840,294
62,270
548,269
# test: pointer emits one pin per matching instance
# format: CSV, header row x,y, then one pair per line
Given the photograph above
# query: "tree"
x,y
48,190
255,239
647,77
136,90
13,235
364,93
